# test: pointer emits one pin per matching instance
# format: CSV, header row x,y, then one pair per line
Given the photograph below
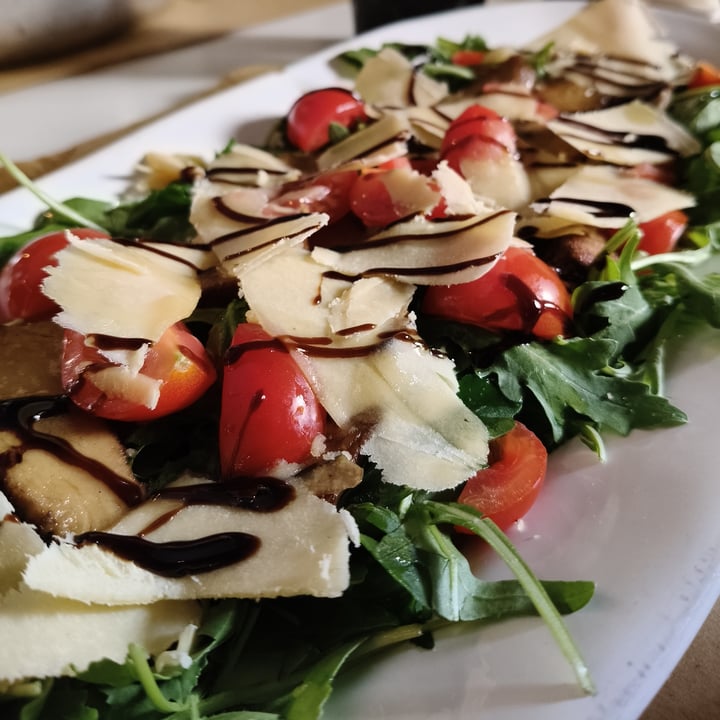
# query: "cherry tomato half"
x,y
269,412
178,359
519,293
482,123
326,193
20,295
509,486
468,58
705,74
661,234
309,119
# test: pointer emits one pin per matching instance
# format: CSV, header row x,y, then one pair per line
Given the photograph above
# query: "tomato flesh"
x,y
21,296
519,293
468,58
705,74
326,193
661,234
480,123
309,119
509,486
269,412
178,360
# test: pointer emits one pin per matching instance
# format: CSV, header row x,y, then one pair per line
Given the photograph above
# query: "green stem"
x,y
148,682
491,533
22,179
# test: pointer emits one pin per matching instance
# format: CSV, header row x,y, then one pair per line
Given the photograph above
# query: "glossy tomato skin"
x,y
325,193
705,75
309,119
509,486
21,278
519,293
480,123
178,359
269,412
370,200
661,234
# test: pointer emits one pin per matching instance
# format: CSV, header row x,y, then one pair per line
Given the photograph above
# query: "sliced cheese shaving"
x,y
627,134
603,196
303,551
43,636
243,228
123,291
621,28
425,252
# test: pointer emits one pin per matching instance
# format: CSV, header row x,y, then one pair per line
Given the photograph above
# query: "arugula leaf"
x,y
471,519
64,211
51,221
697,108
573,382
163,215
308,699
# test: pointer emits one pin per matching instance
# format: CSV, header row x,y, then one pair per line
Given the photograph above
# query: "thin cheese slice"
x,y
389,80
303,551
43,636
620,28
427,253
626,134
18,541
123,291
605,197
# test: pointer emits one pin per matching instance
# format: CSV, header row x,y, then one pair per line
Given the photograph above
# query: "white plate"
x,y
643,526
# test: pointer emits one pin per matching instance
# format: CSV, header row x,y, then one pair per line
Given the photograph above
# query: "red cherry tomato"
x,y
520,293
705,74
326,193
481,123
269,412
20,295
373,203
370,200
178,359
468,58
507,489
661,234
309,119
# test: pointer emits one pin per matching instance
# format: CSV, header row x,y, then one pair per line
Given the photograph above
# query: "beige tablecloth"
x,y
693,690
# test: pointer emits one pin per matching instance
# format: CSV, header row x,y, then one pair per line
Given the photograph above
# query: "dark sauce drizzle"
x,y
640,141
177,558
596,208
21,414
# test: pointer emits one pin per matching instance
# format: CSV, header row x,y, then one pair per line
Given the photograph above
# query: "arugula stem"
x,y
686,257
147,680
398,635
491,533
22,179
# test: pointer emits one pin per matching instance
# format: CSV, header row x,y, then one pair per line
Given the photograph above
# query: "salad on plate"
x,y
258,412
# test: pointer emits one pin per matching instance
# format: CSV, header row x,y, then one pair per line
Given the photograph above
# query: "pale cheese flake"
x,y
122,291
626,134
44,636
603,196
303,550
